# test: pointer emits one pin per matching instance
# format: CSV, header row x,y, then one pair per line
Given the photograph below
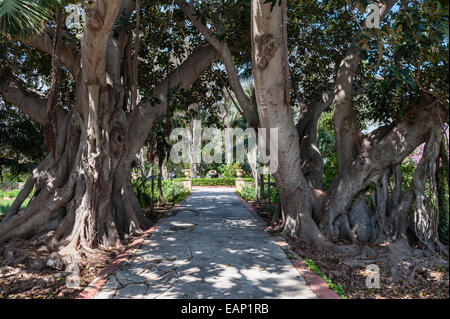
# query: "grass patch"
x,y
5,204
8,197
337,288
9,194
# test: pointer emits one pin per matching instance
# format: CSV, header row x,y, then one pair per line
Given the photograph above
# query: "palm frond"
x,y
24,18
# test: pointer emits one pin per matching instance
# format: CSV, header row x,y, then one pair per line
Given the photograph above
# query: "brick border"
x,y
317,284
314,281
97,284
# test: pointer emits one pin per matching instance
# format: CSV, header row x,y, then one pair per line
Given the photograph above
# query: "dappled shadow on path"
x,y
212,248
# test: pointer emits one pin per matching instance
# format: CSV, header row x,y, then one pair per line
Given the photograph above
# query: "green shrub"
x,y
172,190
248,193
181,197
213,181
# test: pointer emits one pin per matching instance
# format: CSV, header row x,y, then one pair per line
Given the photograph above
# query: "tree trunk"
x,y
311,159
194,142
271,76
86,196
161,200
53,97
165,170
85,193
261,187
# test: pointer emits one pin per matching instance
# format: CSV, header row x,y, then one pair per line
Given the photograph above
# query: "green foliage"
x,y
319,33
10,194
181,197
210,181
23,17
21,144
12,171
213,182
336,287
21,140
406,63
167,40
157,141
229,171
248,193
407,167
327,147
172,192
6,203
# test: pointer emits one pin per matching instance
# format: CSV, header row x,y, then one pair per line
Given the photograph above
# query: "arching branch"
x,y
227,59
43,41
144,115
14,91
347,131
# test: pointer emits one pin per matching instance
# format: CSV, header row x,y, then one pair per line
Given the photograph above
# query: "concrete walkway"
x,y
213,247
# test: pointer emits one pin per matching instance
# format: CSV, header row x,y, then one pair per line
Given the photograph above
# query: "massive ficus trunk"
x,y
84,193
85,189
370,161
271,78
364,160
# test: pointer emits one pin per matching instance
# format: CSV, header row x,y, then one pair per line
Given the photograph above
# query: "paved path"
x,y
213,247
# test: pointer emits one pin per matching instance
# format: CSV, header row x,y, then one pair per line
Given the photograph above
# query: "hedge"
x,y
213,181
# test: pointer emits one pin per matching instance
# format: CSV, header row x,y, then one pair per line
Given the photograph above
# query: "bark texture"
x,y
84,193
271,80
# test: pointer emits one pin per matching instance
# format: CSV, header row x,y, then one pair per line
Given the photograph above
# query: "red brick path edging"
x,y
315,282
91,290
317,285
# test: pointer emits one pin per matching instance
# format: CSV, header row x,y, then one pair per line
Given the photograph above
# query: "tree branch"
x,y
141,119
43,41
387,146
99,24
14,91
347,131
227,59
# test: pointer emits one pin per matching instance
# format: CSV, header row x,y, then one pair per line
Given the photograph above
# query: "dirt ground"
x,y
25,274
426,283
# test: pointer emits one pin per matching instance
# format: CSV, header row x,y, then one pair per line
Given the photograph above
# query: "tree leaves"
x,y
24,17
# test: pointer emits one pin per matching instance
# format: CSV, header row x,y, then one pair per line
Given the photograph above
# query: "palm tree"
x,y
24,18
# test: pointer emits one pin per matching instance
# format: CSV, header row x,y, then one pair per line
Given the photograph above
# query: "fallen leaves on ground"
x,y
426,284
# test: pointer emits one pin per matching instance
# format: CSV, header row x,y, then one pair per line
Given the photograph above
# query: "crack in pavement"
x,y
234,257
